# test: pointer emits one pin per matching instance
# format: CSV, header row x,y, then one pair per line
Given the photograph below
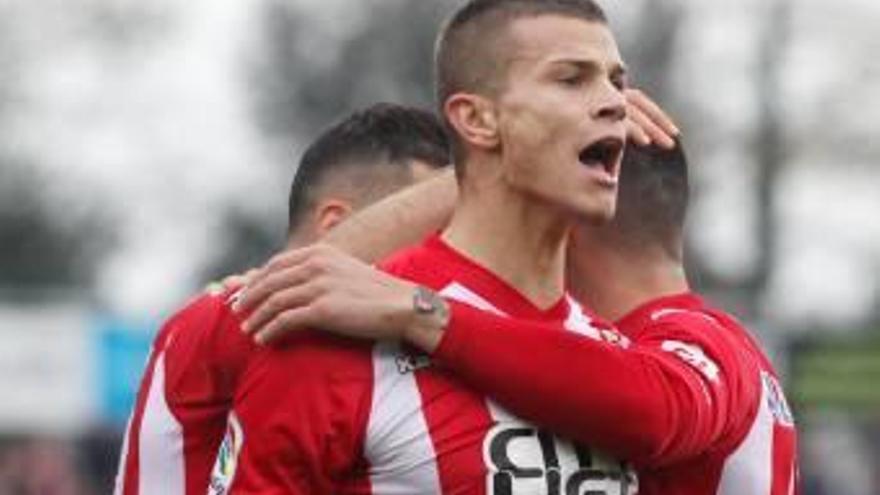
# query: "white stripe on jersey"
x,y
749,468
123,459
161,441
580,323
460,293
398,445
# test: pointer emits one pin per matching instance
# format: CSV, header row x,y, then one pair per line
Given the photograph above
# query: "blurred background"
x,y
147,147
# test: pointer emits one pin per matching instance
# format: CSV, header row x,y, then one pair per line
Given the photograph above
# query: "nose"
x,y
611,105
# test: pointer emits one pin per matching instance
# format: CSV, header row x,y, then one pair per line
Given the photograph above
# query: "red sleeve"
x,y
664,398
183,401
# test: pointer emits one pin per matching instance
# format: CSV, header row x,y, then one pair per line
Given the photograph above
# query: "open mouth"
x,y
604,154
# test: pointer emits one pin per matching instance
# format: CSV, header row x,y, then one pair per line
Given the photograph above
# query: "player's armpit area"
x,y
645,403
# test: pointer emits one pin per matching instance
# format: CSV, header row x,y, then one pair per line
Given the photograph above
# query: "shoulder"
x,y
204,308
421,264
694,319
698,326
205,329
695,327
710,343
404,260
713,329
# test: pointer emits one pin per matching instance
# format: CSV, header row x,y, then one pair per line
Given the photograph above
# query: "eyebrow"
x,y
591,66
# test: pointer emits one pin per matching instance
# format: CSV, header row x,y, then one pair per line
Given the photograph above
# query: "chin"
x,y
597,214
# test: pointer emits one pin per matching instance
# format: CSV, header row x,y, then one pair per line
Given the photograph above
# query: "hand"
x,y
647,123
320,287
231,282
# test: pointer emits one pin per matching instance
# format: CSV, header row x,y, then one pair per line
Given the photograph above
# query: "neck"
x,y
508,233
613,283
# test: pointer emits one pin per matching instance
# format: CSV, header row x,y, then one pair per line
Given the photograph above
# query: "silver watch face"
x,y
424,300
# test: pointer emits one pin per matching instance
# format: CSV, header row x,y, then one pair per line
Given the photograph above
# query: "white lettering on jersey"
x,y
524,460
694,356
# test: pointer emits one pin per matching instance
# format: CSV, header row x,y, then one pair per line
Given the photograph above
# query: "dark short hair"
x,y
653,197
383,135
470,55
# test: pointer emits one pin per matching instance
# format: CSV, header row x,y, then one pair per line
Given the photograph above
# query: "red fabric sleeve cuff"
x,y
454,342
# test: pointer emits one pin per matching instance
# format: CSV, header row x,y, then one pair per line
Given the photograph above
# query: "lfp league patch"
x,y
227,458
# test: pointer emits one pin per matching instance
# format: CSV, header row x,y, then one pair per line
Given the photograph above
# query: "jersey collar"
x,y
491,287
639,318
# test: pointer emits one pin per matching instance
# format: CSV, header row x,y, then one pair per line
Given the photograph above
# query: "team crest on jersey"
x,y
523,460
227,458
776,400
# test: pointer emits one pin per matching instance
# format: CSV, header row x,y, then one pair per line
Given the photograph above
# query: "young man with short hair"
x,y
691,399
533,91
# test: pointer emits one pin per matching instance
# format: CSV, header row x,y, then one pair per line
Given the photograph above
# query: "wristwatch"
x,y
429,303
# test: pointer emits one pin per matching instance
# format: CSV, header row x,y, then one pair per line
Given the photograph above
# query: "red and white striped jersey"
x,y
692,401
324,415
185,396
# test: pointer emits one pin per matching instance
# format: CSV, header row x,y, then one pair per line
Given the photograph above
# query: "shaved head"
x,y
652,201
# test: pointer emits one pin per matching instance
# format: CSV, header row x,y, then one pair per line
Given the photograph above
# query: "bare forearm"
x,y
400,220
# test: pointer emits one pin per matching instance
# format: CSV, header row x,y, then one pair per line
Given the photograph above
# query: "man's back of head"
x,y
359,160
652,200
638,256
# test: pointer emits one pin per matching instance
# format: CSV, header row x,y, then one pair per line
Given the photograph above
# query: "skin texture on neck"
x,y
517,238
348,191
614,281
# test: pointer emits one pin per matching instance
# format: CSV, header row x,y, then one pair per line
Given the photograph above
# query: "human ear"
x,y
329,213
474,119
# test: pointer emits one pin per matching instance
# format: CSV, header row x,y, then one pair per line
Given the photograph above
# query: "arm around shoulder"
x,y
400,220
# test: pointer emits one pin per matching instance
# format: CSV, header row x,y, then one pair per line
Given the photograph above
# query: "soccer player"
x,y
533,92
181,412
691,400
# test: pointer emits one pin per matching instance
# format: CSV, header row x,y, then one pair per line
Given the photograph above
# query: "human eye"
x,y
571,79
619,80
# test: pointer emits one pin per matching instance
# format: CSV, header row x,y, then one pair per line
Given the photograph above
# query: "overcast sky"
x,y
157,127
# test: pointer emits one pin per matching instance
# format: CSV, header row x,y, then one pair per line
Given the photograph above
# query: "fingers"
x,y
650,124
280,261
284,323
277,292
281,271
277,304
232,282
652,111
249,276
636,133
654,133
